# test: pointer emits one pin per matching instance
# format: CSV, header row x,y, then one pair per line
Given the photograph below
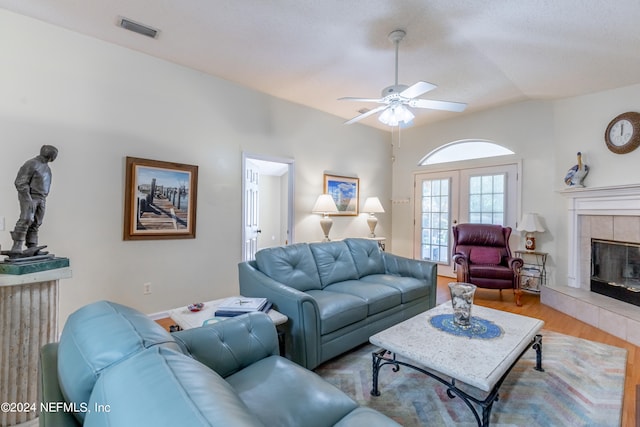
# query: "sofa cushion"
x,y
367,256
98,336
338,309
485,255
490,272
410,288
168,389
378,297
284,394
293,265
334,262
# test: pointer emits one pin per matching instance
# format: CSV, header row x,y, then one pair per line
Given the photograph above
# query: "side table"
x,y
534,271
187,319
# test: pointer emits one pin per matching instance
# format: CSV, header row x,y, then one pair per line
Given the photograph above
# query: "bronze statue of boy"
x,y
33,183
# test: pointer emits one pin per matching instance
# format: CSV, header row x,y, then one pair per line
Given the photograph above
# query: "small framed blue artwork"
x,y
345,192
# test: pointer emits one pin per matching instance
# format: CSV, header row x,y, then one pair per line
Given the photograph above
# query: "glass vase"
x,y
462,301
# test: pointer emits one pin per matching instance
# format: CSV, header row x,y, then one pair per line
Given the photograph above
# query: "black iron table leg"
x,y
379,360
537,345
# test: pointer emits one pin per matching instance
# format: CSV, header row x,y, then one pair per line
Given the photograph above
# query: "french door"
x,y
485,195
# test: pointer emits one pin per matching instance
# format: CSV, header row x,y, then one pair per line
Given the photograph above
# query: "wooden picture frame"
x,y
345,191
159,200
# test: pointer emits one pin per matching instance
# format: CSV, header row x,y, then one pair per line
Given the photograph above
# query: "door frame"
x,y
290,194
459,167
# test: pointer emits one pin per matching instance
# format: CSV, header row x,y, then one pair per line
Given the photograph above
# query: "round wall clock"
x,y
623,133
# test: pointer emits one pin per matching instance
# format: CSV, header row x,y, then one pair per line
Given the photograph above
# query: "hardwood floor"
x,y
554,321
560,322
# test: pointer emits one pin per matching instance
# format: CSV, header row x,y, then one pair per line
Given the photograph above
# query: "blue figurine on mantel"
x,y
577,174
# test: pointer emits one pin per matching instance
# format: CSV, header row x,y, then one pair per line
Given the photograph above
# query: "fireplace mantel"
x,y
621,200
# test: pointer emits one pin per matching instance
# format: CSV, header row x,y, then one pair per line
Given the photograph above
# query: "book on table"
x,y
232,313
242,304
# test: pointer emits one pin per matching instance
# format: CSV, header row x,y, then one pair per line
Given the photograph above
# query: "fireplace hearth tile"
x,y
612,323
615,317
587,312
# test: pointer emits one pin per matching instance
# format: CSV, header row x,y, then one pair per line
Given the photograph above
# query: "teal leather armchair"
x,y
115,366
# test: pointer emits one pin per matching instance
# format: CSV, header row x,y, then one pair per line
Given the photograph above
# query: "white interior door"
x,y
251,209
269,224
486,195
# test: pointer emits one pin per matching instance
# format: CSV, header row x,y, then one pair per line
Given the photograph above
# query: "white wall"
x,y
524,128
580,124
546,135
99,103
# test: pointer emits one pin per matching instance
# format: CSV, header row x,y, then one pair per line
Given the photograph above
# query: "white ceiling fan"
x,y
397,99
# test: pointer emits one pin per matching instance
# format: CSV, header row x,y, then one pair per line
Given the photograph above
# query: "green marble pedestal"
x,y
28,267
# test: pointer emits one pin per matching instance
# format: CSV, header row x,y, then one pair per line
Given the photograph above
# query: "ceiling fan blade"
x,y
417,89
437,105
351,98
365,115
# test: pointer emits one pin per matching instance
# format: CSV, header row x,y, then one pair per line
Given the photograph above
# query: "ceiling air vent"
x,y
138,28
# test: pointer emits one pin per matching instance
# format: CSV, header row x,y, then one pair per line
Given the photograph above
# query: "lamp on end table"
x,y
372,206
530,223
325,205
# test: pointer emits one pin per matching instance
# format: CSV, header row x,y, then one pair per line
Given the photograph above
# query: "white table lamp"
x,y
530,224
325,206
372,206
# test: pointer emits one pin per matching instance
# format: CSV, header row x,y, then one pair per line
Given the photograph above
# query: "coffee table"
x,y
482,363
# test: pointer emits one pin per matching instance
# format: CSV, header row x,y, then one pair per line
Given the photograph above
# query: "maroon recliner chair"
x,y
482,257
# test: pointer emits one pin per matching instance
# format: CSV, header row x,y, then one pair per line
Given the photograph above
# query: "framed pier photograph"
x,y
159,200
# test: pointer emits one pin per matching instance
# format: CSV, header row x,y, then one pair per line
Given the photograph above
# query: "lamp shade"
x,y
325,205
530,223
372,205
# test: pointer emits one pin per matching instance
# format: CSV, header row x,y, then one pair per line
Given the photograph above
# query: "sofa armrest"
x,y
423,270
231,345
49,389
303,326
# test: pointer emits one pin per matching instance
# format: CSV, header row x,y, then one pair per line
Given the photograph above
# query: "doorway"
x,y
267,203
483,195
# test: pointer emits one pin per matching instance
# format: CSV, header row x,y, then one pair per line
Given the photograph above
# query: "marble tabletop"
x,y
477,362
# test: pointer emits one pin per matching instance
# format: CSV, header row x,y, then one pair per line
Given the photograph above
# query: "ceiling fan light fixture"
x,y
396,115
397,98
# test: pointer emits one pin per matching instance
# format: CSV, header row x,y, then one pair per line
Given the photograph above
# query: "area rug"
x,y
583,385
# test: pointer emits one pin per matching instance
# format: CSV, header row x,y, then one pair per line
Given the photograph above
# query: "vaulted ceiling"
x,y
485,53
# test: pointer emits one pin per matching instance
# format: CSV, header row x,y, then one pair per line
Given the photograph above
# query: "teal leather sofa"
x,y
114,366
337,294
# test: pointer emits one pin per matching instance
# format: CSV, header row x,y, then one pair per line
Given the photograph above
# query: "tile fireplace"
x,y
615,270
610,214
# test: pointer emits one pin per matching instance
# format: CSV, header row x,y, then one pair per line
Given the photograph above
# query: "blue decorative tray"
x,y
480,328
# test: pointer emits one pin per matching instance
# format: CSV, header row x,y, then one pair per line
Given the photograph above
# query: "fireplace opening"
x,y
615,270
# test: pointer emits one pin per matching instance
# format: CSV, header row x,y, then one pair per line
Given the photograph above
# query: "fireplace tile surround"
x,y
611,213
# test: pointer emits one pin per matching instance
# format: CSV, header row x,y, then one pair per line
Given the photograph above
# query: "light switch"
x,y
1,223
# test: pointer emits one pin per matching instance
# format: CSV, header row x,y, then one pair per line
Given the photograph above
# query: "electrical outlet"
x,y
147,288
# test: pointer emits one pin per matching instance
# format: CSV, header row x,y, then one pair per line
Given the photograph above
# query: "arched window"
x,y
466,149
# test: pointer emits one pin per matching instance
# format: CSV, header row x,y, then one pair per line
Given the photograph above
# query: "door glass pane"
x,y
435,220
487,199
